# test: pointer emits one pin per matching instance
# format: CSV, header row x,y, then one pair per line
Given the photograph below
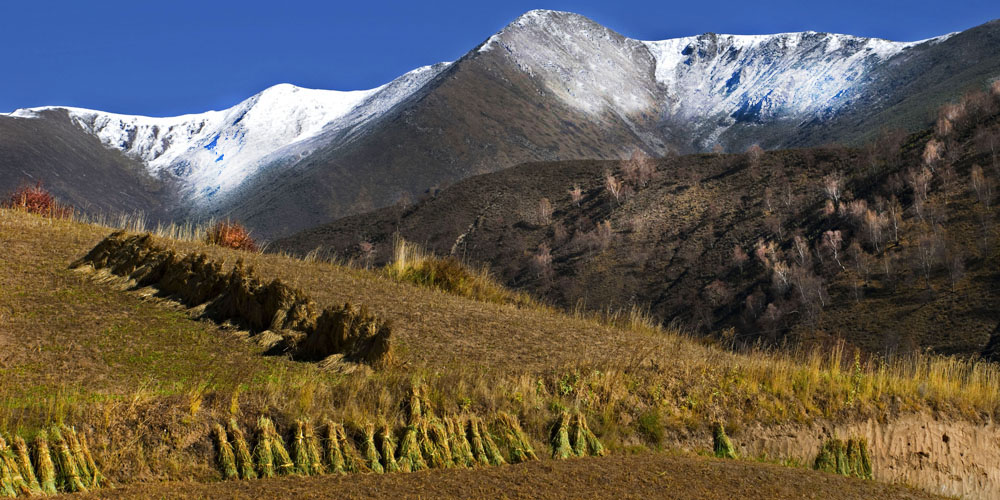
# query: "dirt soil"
x,y
648,475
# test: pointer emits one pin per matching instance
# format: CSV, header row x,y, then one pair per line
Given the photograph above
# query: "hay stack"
x,y
461,450
331,448
244,460
439,436
24,464
241,297
352,331
67,470
352,460
721,444
493,454
388,447
427,447
859,458
590,445
369,450
45,468
313,447
262,454
225,458
11,480
281,461
832,458
559,437
410,458
299,450
97,478
519,445
476,441
6,481
86,475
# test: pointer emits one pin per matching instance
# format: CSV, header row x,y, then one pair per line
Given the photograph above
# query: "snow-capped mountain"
x,y
213,153
549,86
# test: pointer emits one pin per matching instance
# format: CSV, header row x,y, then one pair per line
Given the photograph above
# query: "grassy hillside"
x,y
147,381
738,246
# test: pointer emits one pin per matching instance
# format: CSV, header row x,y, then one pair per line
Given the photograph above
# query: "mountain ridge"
x,y
549,86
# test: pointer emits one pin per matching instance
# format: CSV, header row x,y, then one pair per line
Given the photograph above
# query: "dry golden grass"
x,y
149,382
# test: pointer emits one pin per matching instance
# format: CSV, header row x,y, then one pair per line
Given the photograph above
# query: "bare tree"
x,y
832,186
929,251
932,153
367,250
639,169
603,234
801,248
875,225
613,185
919,180
956,265
576,194
541,261
781,276
754,154
544,211
739,257
833,241
894,210
982,186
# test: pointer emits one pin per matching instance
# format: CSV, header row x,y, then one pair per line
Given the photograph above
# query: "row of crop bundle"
x,y
66,466
425,442
241,297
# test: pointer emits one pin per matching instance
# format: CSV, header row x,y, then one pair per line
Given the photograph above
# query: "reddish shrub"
x,y
231,235
36,200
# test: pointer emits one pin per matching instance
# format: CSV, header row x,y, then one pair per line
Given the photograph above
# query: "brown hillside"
x,y
668,244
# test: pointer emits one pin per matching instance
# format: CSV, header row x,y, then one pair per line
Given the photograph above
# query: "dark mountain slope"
x,y
901,269
76,167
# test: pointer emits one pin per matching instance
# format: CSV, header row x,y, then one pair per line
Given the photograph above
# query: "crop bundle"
x,y
721,444
571,436
65,467
851,459
241,297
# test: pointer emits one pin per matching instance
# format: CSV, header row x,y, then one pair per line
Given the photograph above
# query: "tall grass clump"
x,y
231,235
411,264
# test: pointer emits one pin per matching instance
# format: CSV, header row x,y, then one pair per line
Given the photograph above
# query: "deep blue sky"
x,y
178,56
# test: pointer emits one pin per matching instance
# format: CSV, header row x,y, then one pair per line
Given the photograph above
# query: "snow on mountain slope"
x,y
754,77
214,152
709,81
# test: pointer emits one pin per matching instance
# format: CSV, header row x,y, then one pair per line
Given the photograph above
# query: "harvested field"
x,y
649,475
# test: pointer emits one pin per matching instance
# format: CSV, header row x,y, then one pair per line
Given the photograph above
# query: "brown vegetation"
x,y
231,235
36,200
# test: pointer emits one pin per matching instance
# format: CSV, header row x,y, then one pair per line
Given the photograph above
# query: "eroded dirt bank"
x,y
952,458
